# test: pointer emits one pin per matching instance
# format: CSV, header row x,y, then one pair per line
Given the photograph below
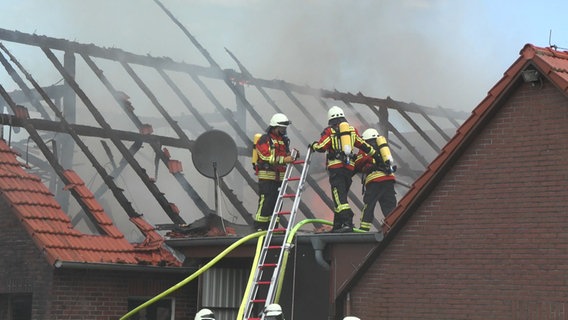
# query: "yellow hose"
x,y
251,277
291,236
194,275
289,240
223,254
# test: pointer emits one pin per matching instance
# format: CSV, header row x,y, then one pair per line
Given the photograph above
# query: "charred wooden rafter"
x,y
49,154
380,107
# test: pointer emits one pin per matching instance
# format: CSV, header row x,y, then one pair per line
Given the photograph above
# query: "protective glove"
x,y
288,159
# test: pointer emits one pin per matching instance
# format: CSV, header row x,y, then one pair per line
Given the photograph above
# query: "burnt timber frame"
x,y
237,82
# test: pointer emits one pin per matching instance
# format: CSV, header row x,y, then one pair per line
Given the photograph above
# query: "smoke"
x,y
425,51
431,52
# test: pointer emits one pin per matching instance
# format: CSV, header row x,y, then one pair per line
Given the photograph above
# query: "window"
x,y
16,306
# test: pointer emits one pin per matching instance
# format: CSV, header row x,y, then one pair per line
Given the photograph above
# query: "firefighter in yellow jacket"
x,y
378,178
338,140
273,149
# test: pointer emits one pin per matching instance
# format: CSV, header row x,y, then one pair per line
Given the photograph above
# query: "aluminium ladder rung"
x,y
264,270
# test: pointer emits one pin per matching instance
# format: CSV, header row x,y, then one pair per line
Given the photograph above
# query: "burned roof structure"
x,y
127,124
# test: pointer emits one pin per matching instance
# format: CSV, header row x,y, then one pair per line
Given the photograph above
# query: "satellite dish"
x,y
214,154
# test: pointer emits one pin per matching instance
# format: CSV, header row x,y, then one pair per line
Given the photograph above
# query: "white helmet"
x,y
335,112
279,120
273,310
205,314
351,318
370,134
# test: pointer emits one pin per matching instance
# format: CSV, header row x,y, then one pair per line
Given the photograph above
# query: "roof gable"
x,y
549,63
51,229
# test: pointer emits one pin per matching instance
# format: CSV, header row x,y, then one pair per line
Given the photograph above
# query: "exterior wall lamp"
x,y
531,76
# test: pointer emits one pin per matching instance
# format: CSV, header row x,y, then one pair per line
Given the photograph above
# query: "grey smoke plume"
x,y
435,52
431,52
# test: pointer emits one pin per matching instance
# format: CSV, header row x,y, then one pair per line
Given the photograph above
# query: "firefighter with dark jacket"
x,y
338,140
273,149
377,178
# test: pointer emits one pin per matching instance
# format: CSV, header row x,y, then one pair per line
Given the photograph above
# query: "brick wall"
x,y
76,294
98,294
491,240
23,268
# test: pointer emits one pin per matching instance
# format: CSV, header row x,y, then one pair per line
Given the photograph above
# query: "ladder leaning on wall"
x,y
269,269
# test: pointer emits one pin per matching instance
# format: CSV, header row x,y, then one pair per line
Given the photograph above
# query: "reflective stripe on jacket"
x,y
366,165
330,142
271,150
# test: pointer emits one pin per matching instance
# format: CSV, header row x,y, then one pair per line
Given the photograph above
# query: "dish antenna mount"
x,y
214,156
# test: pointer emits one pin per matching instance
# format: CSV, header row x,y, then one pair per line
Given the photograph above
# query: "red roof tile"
x,y
51,228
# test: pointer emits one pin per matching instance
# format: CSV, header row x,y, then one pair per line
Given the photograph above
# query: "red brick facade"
x,y
491,240
95,294
24,270
76,293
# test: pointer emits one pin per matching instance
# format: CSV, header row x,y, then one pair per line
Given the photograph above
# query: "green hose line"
x,y
257,257
289,240
195,274
211,263
240,315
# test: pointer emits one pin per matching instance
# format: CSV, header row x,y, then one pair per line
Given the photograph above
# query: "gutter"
x,y
59,264
320,241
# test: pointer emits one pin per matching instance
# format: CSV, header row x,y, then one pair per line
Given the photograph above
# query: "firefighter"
x,y
338,141
273,149
205,314
377,178
273,312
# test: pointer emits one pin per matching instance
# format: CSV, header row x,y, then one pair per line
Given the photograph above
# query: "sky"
x,y
445,53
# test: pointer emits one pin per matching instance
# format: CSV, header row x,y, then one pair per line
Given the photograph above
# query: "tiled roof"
x,y
51,228
550,63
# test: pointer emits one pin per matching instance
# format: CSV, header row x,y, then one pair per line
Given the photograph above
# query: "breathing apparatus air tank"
x,y
345,138
384,150
254,159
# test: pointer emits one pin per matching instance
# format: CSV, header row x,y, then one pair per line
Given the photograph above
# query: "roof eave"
x,y
60,264
370,237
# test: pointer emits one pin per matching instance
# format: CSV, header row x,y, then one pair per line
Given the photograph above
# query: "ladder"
x,y
269,267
